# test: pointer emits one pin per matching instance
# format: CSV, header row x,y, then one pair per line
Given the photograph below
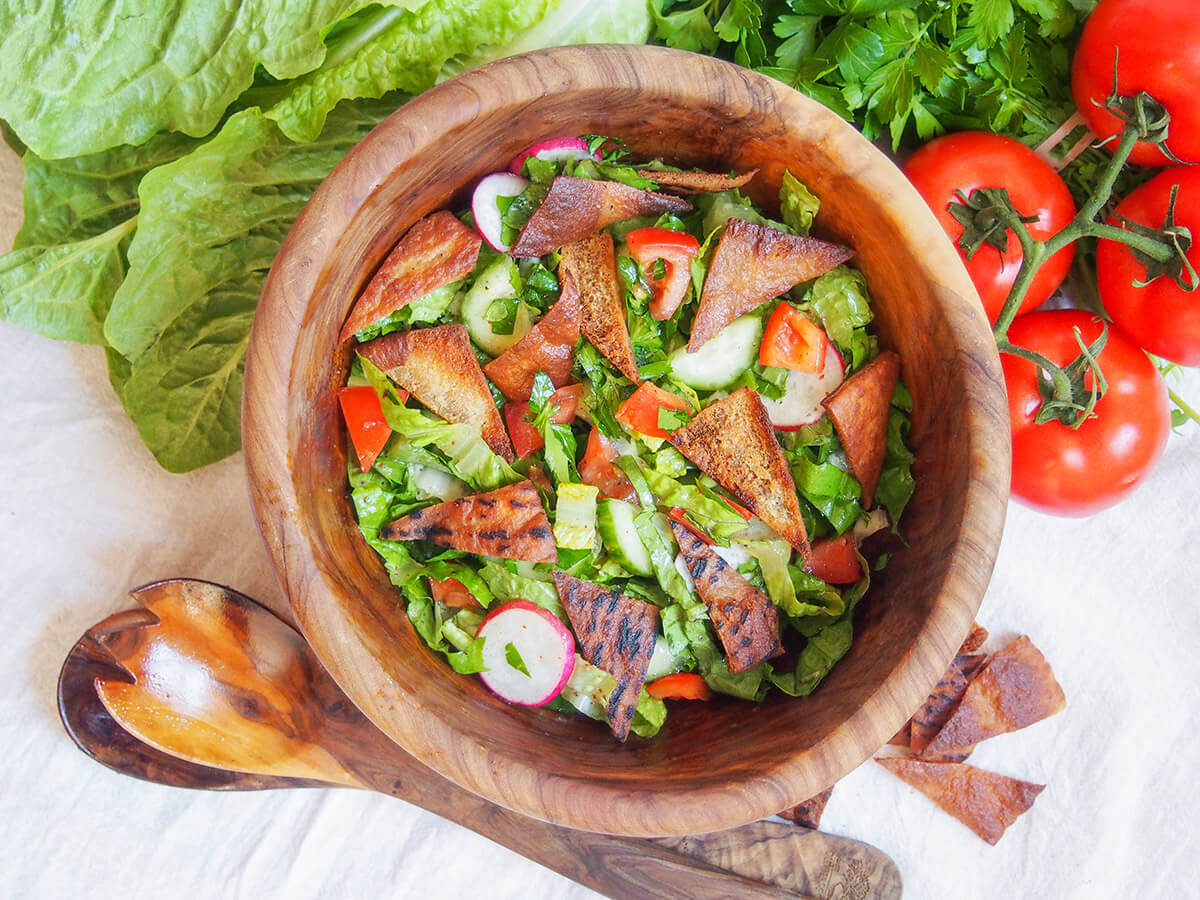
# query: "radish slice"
x,y
485,210
554,150
542,644
803,392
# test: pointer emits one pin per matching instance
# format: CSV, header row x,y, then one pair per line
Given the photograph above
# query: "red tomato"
x,y
676,249
453,593
364,420
1077,472
1162,317
1159,43
973,159
793,341
680,686
678,515
525,438
597,469
835,560
640,411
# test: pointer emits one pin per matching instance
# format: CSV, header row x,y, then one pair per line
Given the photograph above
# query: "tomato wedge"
x,y
676,249
525,438
364,420
640,411
597,469
678,515
680,686
793,341
453,593
835,560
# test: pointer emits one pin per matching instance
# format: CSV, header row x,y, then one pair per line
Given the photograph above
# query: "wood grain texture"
x,y
212,682
729,763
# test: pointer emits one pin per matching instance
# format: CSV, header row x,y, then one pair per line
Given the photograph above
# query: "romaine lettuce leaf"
x,y
826,646
77,78
797,204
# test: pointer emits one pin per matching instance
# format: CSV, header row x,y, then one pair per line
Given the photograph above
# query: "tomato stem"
x,y
1183,406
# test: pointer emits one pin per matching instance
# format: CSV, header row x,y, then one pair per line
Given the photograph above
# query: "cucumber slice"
x,y
614,522
496,282
722,359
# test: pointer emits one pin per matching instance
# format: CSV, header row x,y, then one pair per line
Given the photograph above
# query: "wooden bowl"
x,y
714,765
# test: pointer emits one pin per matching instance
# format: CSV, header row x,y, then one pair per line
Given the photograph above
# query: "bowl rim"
x,y
266,441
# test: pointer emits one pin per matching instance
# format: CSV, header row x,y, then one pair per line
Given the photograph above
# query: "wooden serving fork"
x,y
202,687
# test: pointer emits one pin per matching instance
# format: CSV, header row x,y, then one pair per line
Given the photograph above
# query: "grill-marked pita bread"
x,y
437,250
808,813
943,700
751,265
976,639
616,633
697,182
575,208
985,802
733,442
508,522
548,347
439,368
590,266
859,409
745,620
1015,688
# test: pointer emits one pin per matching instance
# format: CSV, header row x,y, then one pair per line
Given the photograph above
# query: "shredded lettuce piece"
x,y
797,204
840,299
826,646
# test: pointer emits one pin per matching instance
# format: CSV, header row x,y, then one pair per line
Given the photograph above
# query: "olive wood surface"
x,y
202,680
716,765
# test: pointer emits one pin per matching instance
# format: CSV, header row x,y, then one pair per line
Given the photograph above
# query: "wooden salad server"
x,y
202,687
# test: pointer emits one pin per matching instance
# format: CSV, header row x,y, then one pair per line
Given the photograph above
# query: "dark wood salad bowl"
x,y
714,765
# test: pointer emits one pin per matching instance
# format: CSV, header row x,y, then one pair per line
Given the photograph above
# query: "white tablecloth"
x,y
87,514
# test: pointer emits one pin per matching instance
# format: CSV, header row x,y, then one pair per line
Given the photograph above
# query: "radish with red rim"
x,y
803,392
486,210
528,654
554,149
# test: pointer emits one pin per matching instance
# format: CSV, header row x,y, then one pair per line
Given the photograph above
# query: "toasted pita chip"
x,y
437,250
751,265
745,620
617,634
1015,688
590,266
575,208
859,409
548,347
976,639
808,813
439,368
732,441
508,522
942,701
985,802
902,737
697,182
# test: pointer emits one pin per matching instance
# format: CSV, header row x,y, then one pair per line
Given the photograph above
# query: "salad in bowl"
x,y
620,437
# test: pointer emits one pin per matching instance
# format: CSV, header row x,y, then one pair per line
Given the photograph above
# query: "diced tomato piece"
x,y
793,341
525,438
598,469
680,686
676,249
678,515
640,411
364,420
835,560
453,593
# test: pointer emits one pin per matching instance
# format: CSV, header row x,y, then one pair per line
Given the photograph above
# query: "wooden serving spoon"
x,y
204,688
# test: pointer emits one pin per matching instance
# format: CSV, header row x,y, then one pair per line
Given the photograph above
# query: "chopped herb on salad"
x,y
619,437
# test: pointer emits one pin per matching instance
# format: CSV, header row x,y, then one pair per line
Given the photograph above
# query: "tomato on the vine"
x,y
1162,316
1159,44
1077,472
973,159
